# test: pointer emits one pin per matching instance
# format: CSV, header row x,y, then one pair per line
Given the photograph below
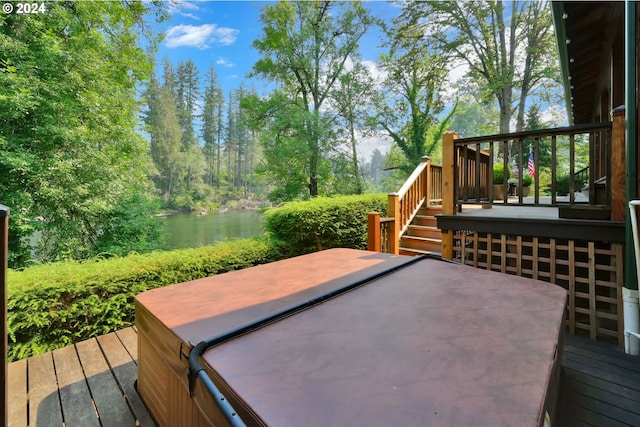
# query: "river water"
x,y
191,230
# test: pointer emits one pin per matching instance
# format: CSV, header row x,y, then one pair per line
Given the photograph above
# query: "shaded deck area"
x,y
92,384
600,385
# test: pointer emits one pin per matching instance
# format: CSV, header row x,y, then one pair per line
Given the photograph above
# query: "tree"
x,y
416,74
473,119
213,103
507,46
352,98
68,119
187,93
304,48
164,129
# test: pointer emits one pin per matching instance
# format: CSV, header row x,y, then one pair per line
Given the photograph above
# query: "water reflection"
x,y
194,230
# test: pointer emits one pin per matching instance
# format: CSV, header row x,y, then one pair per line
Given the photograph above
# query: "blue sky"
x,y
221,33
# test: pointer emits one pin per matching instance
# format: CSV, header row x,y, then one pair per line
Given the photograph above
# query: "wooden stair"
x,y
422,235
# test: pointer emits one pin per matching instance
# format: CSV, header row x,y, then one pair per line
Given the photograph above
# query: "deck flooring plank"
x,y
602,351
617,407
17,393
615,360
125,372
599,370
77,404
582,395
44,401
594,381
109,400
580,384
129,338
582,416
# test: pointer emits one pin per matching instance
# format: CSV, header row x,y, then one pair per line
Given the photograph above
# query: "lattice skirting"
x,y
591,272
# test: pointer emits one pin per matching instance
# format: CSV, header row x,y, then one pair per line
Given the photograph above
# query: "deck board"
x,y
42,386
87,384
17,379
600,385
108,398
75,397
125,371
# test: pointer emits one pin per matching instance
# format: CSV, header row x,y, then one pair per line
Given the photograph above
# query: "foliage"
x,y
305,47
508,47
54,305
68,122
412,100
527,180
498,173
563,181
473,119
324,222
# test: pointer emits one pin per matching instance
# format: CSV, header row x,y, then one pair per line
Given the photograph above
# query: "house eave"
x,y
558,12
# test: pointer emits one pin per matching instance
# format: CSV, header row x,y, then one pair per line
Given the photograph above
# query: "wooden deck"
x,y
92,384
87,384
600,385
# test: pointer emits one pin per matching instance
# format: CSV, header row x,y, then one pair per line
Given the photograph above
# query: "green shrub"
x,y
563,181
498,173
324,222
58,304
54,305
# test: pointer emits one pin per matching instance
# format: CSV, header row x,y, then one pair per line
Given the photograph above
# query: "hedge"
x,y
55,305
58,304
324,222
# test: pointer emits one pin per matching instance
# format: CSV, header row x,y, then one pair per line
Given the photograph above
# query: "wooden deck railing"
x,y
423,186
474,165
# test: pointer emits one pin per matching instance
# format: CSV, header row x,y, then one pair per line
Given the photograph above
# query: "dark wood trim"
x,y
574,229
541,133
4,236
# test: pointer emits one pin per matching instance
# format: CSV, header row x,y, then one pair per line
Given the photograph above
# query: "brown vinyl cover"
x,y
432,344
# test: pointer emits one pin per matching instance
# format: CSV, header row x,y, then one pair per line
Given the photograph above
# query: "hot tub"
x,y
352,338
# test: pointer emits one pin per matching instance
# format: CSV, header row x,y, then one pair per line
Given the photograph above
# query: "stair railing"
x,y
384,233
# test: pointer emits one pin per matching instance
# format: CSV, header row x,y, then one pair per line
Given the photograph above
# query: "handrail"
x,y
473,176
415,175
418,190
404,205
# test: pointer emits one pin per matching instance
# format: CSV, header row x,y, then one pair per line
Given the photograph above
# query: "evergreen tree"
x,y
212,105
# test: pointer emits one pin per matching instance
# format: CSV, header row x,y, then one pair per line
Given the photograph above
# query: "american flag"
x,y
531,165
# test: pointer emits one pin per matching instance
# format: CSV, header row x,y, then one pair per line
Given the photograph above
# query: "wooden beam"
x,y
448,189
373,232
4,372
618,166
394,228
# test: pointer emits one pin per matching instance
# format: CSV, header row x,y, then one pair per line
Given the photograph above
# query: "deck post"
x,y
618,166
373,232
448,189
4,249
394,227
426,191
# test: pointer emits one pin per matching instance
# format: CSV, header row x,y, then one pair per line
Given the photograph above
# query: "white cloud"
x,y
222,61
200,36
375,70
179,6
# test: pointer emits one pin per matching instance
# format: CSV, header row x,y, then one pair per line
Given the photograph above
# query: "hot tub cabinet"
x,y
408,342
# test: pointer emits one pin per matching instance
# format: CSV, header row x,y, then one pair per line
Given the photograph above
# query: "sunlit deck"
x,y
92,383
87,384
